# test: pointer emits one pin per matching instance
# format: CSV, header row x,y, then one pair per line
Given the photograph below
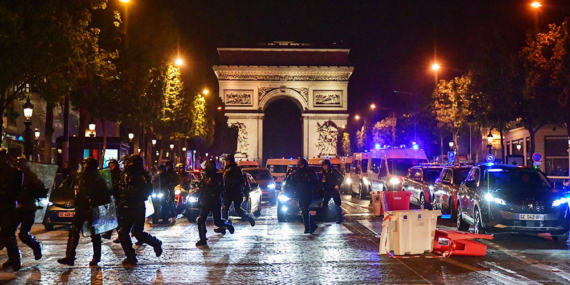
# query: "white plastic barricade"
x,y
377,203
408,232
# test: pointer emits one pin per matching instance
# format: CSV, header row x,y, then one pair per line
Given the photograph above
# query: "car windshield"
x,y
278,168
460,175
260,174
400,167
64,192
516,179
317,169
431,174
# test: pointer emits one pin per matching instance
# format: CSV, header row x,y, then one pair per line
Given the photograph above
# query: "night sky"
x,y
393,43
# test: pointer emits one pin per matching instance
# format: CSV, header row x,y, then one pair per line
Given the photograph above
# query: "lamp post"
x,y
172,151
193,159
490,141
131,136
28,112
183,158
153,141
92,128
37,136
451,145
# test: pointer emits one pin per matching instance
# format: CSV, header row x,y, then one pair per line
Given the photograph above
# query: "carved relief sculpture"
x,y
326,98
238,97
328,136
303,91
242,144
229,75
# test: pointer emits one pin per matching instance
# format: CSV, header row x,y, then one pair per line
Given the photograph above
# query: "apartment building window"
x,y
556,156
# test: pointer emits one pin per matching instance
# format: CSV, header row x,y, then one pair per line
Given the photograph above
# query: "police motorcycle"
x,y
160,202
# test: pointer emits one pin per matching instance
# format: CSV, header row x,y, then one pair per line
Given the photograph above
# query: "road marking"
x,y
495,275
414,271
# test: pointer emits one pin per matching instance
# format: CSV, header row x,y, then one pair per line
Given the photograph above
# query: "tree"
x,y
384,132
346,143
364,137
452,104
561,68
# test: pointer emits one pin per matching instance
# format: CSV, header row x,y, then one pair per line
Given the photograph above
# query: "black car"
x,y
61,208
419,181
445,189
505,198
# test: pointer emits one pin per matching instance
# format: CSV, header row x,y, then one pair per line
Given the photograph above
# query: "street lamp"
x,y
184,149
131,136
28,112
153,141
490,141
172,150
372,106
219,108
451,145
92,127
205,91
357,117
125,1
179,62
37,135
536,5
519,146
435,67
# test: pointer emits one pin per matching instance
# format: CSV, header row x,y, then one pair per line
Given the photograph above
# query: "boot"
x,y
202,233
31,241
339,215
14,255
72,243
117,240
107,235
220,230
130,261
127,246
251,221
230,227
96,240
152,241
314,226
305,215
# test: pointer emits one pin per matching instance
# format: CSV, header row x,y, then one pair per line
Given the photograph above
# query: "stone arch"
x,y
280,93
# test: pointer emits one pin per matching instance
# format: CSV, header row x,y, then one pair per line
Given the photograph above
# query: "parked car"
x,y
252,204
506,198
420,181
61,208
288,203
445,189
263,178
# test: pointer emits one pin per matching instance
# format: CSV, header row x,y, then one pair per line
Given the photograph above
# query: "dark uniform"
x,y
169,180
211,187
116,178
10,184
90,192
234,188
134,189
304,181
332,181
184,178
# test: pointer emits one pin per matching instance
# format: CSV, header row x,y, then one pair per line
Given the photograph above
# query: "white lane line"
x,y
529,261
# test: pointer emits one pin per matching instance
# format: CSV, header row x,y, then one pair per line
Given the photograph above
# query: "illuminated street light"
x,y
435,67
451,145
343,127
28,109
373,106
519,146
153,141
220,108
131,136
37,133
205,91
171,146
179,61
184,149
490,141
357,117
536,5
125,1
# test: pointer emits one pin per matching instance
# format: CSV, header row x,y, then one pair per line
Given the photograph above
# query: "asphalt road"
x,y
279,253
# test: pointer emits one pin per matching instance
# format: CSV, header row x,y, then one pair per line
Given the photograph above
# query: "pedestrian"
x,y
158,197
10,184
116,178
332,181
305,181
210,199
90,192
134,189
234,192
171,181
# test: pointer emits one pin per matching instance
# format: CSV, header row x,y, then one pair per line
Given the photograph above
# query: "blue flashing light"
x,y
365,150
495,170
377,146
446,216
415,146
490,164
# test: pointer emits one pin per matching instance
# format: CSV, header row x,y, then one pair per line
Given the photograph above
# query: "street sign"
x,y
537,157
490,158
451,156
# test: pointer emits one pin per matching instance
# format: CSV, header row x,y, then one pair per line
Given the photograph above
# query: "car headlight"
x,y
430,188
348,181
283,198
177,191
193,199
365,180
153,195
490,198
395,181
159,195
560,201
46,203
271,186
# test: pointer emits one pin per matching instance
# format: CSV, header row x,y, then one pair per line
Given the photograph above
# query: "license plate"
x,y
313,213
531,217
66,214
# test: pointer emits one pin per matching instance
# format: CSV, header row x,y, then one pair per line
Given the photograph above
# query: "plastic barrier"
x,y
396,200
377,203
448,242
408,232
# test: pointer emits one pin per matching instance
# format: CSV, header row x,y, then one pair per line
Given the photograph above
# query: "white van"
x,y
384,169
279,166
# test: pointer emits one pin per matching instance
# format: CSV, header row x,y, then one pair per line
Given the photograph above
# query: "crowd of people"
x,y
20,190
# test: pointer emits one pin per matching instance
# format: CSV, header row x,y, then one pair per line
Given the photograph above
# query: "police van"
x,y
382,169
279,166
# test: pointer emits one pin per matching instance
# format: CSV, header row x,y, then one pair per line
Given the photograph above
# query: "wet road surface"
x,y
279,253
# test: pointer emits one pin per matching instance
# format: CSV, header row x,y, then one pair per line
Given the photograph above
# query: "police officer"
x,y
305,181
170,181
10,184
90,192
332,181
135,187
116,178
33,190
210,199
184,177
234,188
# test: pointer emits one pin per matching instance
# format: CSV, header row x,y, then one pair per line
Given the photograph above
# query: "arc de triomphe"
x,y
316,79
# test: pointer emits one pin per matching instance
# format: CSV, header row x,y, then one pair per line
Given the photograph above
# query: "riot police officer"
x,y
210,199
116,178
234,188
170,181
33,190
10,184
134,189
90,192
332,181
305,181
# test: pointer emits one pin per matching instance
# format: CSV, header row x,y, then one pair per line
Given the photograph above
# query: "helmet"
x,y
169,165
178,165
113,161
137,160
210,166
90,163
22,162
326,162
230,158
302,162
3,151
